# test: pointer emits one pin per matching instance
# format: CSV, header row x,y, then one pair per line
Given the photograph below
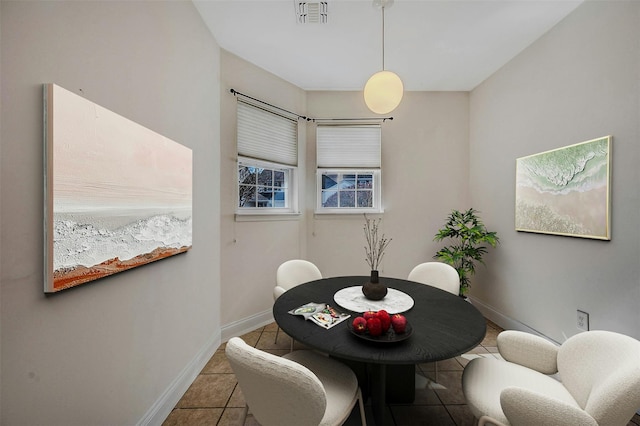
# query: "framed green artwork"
x,y
566,191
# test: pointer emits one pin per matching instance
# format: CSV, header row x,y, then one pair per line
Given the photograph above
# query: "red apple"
x,y
369,314
359,325
399,323
374,325
385,319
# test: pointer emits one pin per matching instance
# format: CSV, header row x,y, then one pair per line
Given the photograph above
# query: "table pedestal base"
x,y
384,384
401,383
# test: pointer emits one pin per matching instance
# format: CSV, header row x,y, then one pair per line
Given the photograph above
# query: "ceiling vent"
x,y
311,12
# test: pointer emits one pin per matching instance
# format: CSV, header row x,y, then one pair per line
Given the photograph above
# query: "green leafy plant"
x,y
468,234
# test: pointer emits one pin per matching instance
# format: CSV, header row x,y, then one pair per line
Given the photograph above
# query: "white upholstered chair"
x,y
597,381
439,275
301,388
292,273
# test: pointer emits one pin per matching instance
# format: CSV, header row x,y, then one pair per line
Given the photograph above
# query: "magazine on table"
x,y
320,313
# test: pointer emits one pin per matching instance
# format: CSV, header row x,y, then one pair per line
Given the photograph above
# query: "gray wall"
x,y
109,351
578,82
252,248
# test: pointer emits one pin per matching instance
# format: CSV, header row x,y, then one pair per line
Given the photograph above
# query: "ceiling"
x,y
433,45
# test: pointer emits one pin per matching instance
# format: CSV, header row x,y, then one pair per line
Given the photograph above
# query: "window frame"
x,y
376,192
291,177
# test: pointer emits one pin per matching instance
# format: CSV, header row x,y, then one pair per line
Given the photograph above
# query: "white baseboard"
x,y
161,409
504,321
245,325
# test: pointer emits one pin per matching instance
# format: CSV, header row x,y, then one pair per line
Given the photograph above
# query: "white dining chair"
x,y
439,275
293,273
300,388
592,379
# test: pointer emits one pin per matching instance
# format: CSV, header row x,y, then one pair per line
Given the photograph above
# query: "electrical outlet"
x,y
583,321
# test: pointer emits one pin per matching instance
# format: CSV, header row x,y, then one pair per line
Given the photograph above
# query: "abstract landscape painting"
x,y
117,195
566,191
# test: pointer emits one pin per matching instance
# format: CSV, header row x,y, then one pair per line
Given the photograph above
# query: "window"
x,y
348,174
267,161
347,189
263,185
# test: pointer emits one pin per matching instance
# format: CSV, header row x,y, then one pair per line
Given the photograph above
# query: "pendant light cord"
x,y
383,37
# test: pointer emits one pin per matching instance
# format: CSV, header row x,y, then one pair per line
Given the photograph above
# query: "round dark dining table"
x,y
443,326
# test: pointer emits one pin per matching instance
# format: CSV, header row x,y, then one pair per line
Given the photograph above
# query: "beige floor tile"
x,y
478,350
267,341
452,383
209,391
491,324
278,352
231,417
217,364
193,417
462,360
490,339
449,365
252,337
461,415
271,327
427,367
237,398
423,415
425,396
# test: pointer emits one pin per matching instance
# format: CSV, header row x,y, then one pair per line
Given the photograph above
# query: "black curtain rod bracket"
x,y
236,93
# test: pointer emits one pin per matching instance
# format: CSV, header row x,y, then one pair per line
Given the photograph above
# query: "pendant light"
x,y
383,91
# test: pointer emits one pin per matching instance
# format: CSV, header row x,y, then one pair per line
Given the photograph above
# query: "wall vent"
x,y
311,12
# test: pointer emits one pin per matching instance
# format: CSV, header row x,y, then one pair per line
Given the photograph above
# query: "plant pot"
x,y
374,289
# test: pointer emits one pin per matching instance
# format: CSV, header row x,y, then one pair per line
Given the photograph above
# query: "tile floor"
x,y
214,398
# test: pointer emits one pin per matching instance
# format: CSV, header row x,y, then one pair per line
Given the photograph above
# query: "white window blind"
x,y
267,136
348,146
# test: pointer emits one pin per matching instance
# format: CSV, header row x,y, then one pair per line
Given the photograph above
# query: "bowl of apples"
x,y
380,326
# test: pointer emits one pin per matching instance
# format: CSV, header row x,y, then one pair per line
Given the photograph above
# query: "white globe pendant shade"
x,y
383,92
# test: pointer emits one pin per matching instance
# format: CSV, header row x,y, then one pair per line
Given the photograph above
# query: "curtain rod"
x,y
383,119
236,93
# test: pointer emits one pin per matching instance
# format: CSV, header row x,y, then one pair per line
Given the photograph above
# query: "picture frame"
x,y
117,195
566,191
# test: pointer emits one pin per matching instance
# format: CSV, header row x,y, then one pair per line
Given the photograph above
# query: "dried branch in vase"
x,y
376,243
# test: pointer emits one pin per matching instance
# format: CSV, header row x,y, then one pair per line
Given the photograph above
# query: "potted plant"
x,y
468,234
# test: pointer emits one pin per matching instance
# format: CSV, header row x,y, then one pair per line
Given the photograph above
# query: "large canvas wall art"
x,y
566,191
117,195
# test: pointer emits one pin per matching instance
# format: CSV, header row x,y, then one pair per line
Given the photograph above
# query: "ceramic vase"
x,y
374,289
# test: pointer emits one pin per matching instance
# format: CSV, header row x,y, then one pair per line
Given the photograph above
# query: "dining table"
x,y
441,325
